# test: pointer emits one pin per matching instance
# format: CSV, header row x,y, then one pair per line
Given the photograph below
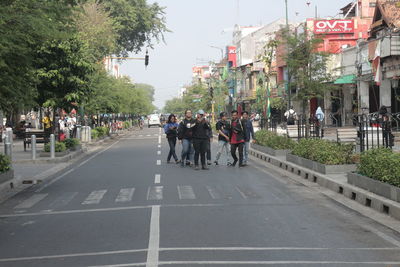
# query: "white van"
x,y
154,120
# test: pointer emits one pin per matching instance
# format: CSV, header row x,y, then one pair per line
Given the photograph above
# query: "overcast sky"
x,y
196,25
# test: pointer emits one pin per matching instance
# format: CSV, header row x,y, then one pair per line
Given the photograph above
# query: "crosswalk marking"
x,y
28,203
157,179
186,192
158,162
125,195
94,197
63,200
159,152
155,193
246,193
214,193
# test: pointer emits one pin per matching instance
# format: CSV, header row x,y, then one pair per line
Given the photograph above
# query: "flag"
x,y
376,64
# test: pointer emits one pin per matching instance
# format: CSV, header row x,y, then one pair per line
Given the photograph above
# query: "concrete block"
x,y
270,151
6,176
318,167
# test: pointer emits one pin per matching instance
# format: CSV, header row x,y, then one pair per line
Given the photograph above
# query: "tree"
x,y
195,98
139,23
308,67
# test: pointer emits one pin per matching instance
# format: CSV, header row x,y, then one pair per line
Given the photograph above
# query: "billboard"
x,y
232,55
336,26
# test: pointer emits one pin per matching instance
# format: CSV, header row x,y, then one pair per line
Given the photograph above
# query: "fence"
x,y
376,130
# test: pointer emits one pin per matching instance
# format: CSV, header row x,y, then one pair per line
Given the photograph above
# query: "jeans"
x,y
223,145
172,144
200,148
208,152
246,152
233,152
187,150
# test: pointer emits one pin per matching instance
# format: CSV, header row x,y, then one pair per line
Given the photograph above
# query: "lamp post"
x,y
287,83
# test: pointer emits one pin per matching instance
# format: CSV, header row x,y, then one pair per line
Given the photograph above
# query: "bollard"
x,y
8,145
52,146
78,132
33,143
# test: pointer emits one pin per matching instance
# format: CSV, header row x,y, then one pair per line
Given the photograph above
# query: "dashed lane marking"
x,y
157,179
28,203
94,197
125,195
158,162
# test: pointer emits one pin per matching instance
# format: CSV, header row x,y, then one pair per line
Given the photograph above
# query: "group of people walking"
x,y
195,135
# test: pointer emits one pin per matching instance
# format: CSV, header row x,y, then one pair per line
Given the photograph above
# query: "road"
x,y
124,206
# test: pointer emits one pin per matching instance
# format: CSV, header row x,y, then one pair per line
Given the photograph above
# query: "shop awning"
x,y
346,79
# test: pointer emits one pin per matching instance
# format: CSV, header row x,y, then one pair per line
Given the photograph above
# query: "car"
x,y
154,120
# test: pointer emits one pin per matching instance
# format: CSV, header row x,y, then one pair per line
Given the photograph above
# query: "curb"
x,y
65,158
359,195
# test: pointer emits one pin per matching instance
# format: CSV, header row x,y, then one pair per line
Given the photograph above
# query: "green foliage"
x,y
325,152
127,124
71,142
59,147
100,132
274,141
381,164
195,98
5,163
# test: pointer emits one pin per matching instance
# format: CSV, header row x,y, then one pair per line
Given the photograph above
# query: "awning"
x,y
347,79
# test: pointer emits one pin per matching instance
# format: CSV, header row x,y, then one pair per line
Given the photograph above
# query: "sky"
x,y
196,25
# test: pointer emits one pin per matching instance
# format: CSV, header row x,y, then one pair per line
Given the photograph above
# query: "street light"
x,y
219,48
287,83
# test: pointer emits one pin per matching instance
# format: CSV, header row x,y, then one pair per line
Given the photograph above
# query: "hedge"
x,y
274,141
71,142
325,152
5,163
59,147
381,164
99,132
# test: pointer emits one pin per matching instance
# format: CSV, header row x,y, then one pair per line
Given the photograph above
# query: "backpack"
x,y
290,118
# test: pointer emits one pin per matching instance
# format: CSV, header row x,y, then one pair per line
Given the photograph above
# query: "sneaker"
x,y
242,165
177,161
216,163
209,163
229,164
188,163
204,167
234,163
196,168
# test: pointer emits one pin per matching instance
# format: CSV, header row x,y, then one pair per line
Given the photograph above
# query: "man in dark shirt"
x,y
223,129
200,140
249,135
237,138
185,135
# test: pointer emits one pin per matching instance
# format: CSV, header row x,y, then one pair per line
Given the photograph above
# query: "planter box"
x,y
319,167
6,176
374,186
270,151
76,148
58,154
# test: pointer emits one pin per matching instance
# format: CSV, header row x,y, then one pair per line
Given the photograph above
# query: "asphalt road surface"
x,y
124,206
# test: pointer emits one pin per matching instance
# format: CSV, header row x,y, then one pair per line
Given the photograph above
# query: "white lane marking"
x,y
63,200
241,193
154,238
107,210
125,195
159,139
186,192
73,169
214,193
158,162
155,193
258,263
148,135
159,146
94,197
157,179
159,152
28,203
115,252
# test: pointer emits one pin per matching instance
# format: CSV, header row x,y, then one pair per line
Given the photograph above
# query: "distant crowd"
x,y
195,136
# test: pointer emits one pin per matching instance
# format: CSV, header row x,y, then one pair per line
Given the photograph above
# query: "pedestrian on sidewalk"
x,y
320,116
185,135
171,130
223,128
209,141
47,124
249,136
237,138
200,140
290,116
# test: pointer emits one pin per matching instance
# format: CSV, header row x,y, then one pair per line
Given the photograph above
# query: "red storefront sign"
x,y
232,55
337,26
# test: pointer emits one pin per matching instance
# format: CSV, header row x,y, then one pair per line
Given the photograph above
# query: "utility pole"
x,y
287,84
